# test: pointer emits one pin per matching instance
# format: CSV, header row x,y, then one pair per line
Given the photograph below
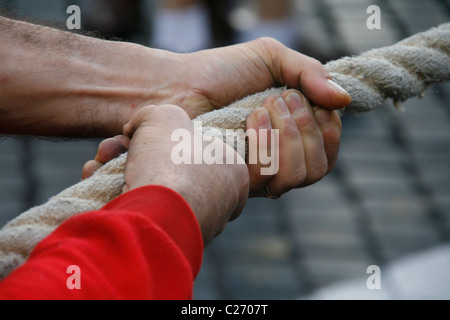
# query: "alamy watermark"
x,y
74,280
262,147
74,20
374,280
374,20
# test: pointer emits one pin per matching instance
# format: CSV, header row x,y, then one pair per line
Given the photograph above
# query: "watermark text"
x,y
74,20
374,20
374,280
262,147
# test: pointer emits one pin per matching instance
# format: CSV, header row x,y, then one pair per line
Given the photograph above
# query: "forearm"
x,y
57,83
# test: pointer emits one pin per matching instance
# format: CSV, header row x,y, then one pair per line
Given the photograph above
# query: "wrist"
x,y
217,198
129,77
57,83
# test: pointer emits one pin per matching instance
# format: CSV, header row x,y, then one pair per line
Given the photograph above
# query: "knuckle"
x,y
319,171
270,46
104,143
163,109
308,125
145,110
314,63
332,136
298,177
173,111
290,130
314,66
269,42
166,113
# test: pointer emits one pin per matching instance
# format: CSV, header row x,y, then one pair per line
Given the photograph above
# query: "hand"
x,y
309,139
308,150
211,79
216,193
103,83
107,150
309,144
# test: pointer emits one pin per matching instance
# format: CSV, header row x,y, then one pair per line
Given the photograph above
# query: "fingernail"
x,y
322,116
295,103
281,108
337,87
263,119
121,148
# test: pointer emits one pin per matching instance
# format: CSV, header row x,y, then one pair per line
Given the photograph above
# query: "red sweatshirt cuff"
x,y
168,210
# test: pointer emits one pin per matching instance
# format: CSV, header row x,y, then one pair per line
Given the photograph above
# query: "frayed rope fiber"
x,y
398,72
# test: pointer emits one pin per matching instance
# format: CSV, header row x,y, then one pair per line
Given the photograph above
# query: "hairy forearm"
x,y
57,83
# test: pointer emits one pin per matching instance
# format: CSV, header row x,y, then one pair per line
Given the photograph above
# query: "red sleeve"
x,y
145,244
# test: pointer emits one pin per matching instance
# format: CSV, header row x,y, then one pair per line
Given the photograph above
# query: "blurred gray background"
x,y
387,203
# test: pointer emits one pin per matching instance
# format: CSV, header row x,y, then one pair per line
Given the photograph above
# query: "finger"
x,y
305,73
89,168
290,152
111,148
331,127
320,89
138,118
152,115
151,125
107,150
315,158
258,123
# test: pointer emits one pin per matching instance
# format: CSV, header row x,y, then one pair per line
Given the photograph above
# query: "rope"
x,y
398,72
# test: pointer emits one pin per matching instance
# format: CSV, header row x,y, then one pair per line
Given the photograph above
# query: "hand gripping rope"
x,y
399,72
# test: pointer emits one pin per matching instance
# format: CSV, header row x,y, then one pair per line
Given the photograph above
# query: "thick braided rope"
x,y
398,72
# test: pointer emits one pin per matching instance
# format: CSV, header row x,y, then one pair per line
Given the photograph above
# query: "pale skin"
x,y
216,200
309,144
54,83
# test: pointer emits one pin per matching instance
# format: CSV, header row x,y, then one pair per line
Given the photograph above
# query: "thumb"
x,y
138,119
298,71
162,116
319,88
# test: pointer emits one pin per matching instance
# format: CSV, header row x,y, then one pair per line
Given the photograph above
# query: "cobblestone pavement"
x,y
387,199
